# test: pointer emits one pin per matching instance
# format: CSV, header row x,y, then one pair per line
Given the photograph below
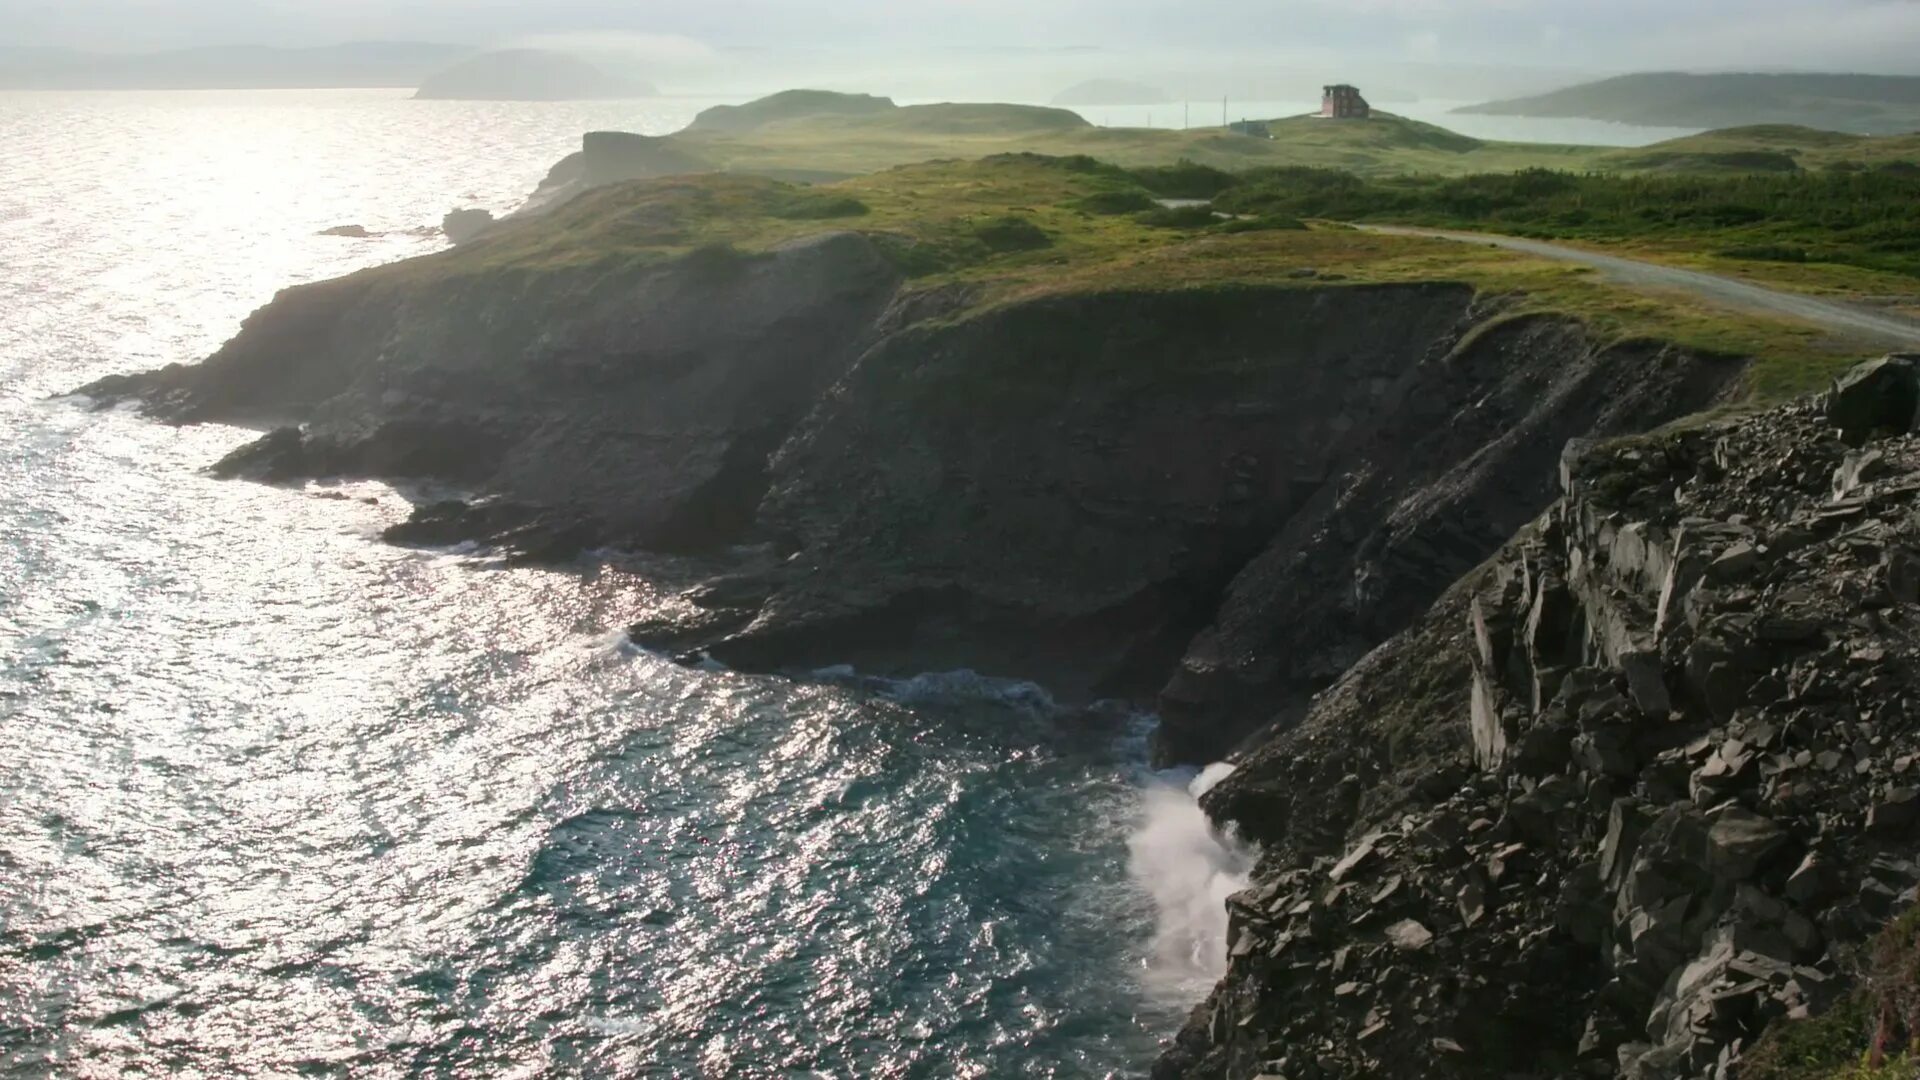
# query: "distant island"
x,y
529,75
1112,92
1861,104
355,65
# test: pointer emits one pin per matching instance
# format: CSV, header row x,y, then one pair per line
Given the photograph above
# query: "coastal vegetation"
x,y
1871,1034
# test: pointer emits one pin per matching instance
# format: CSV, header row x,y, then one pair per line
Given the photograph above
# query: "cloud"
x,y
1583,34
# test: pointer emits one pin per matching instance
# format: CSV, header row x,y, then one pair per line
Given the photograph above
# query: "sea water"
x,y
277,799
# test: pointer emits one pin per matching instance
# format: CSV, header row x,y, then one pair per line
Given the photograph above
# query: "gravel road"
x,y
1890,329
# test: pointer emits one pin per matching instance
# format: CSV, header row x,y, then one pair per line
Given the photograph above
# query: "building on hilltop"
x,y
1343,102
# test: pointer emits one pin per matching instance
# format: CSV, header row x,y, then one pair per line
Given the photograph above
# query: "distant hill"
x,y
529,75
1384,133
1770,148
788,105
239,67
1863,104
821,113
1112,92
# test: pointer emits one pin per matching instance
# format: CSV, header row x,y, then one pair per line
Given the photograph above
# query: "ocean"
x,y
278,799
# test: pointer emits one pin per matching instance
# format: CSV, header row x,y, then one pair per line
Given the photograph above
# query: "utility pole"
x,y
1223,110
1186,115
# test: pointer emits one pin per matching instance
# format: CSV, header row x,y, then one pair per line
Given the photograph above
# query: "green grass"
x,y
1857,219
1838,233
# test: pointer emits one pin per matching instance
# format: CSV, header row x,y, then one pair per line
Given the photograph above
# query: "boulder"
x,y
1739,840
1896,814
1409,935
462,226
1878,397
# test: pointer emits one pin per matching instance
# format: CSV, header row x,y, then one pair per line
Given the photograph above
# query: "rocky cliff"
x,y
1225,496
1585,760
1636,789
627,405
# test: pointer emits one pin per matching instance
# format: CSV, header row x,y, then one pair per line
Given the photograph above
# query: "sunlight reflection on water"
x,y
279,799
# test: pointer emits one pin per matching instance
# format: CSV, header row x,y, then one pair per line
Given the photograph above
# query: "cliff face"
x,y
1068,490
1059,490
1242,488
1627,794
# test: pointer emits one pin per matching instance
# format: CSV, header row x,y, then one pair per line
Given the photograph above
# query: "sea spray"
x,y
1189,868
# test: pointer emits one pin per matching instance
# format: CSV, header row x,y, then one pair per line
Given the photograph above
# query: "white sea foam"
x,y
1189,868
938,688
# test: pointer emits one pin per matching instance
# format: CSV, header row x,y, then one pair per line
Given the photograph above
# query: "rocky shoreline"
x,y
1643,785
1544,770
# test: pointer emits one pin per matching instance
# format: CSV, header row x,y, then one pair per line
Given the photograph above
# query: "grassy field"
x,y
1020,226
1847,234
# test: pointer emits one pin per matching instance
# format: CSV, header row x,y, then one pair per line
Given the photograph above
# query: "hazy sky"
x,y
1879,35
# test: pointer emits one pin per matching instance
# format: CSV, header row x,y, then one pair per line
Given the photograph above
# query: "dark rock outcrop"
x,y
641,404
1646,778
1067,489
1415,492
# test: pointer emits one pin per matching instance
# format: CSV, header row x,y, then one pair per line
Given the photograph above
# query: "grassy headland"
x,y
1011,227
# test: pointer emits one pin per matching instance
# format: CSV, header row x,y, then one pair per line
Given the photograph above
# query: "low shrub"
x,y
807,206
1114,202
1011,233
1178,217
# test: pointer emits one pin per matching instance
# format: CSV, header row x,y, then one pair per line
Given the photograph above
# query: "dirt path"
x,y
1895,330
